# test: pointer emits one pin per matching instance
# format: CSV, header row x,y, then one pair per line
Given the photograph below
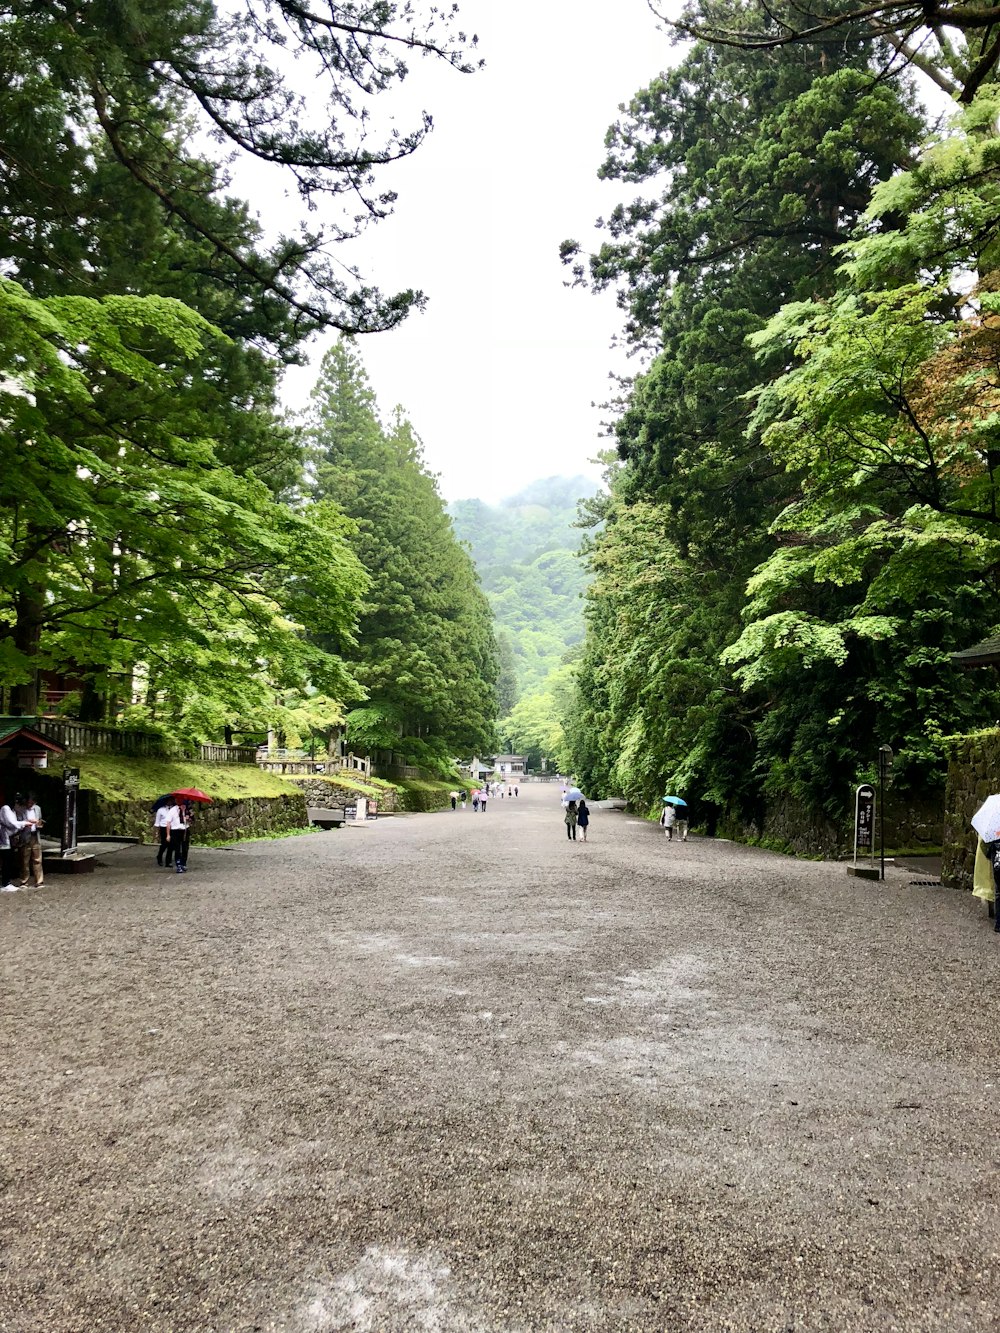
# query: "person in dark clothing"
x,y
571,817
582,818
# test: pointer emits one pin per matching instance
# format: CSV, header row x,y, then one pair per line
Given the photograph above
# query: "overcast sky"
x,y
500,373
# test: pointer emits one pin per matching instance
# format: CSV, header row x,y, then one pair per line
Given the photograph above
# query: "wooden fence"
x,y
295,761
88,738
400,772
228,754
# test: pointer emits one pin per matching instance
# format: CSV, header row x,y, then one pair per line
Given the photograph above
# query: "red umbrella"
x,y
193,794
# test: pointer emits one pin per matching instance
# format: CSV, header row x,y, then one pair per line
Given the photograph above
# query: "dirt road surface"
x,y
453,1072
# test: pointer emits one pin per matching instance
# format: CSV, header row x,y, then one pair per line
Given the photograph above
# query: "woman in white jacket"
x,y
10,856
179,834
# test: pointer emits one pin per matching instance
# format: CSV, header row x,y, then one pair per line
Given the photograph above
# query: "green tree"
x,y
888,546
128,546
954,44
507,688
426,653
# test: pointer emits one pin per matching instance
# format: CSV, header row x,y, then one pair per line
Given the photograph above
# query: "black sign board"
x,y
71,788
864,821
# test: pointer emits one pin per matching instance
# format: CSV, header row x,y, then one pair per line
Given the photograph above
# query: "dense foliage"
x,y
801,524
526,550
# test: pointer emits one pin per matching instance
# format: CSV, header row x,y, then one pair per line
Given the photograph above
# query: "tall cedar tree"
x,y
426,652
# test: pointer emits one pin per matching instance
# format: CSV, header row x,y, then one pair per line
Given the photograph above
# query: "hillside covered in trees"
x,y
802,522
526,551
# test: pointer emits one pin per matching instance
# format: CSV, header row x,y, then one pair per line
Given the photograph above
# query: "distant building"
x,y
480,768
509,766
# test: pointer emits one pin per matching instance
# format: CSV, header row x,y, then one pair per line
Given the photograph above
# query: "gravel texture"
x,y
452,1072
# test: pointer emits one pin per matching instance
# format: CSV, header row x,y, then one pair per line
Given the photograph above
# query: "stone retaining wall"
x,y
788,825
973,774
249,817
423,799
324,792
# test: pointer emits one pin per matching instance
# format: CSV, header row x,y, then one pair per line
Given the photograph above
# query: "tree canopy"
x,y
168,551
99,99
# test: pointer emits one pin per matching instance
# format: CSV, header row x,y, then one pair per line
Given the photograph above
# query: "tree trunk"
x,y
92,703
29,611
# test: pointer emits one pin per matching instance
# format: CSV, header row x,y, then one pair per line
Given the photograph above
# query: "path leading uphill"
x,y
451,1072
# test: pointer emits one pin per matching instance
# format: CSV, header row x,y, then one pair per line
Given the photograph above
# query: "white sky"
x,y
500,374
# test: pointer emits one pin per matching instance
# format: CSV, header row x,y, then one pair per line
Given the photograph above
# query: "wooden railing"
x,y
86,737
400,772
300,766
228,754
295,761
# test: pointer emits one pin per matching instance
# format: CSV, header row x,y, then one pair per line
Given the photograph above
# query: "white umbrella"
x,y
986,820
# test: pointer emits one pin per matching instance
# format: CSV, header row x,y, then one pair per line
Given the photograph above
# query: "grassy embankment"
x,y
119,779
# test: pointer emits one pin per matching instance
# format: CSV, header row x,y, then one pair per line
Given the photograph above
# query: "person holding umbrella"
x,y
986,873
161,825
179,818
675,815
668,818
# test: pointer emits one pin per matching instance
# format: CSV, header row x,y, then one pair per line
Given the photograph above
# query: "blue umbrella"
x,y
574,794
674,800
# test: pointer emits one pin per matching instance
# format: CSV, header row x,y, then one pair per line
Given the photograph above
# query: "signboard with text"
x,y
71,790
864,821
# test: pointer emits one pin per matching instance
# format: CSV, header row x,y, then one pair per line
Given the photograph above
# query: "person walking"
x,y
583,818
179,834
475,802
668,819
28,809
10,827
482,798
515,791
570,817
454,799
161,823
682,822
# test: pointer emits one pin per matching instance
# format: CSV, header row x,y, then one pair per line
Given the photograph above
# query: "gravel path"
x,y
451,1072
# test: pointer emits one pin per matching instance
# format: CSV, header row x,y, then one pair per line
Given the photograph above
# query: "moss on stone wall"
x,y
911,823
973,774
420,794
222,821
334,791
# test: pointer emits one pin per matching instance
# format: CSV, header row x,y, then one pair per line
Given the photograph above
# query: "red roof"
x,y
35,737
